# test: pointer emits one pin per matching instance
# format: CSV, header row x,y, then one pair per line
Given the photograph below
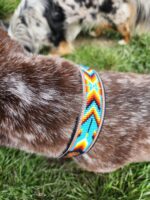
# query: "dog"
x,y
57,23
41,98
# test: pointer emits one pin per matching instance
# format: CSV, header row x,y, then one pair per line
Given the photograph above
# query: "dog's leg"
x,y
63,49
100,29
127,27
124,30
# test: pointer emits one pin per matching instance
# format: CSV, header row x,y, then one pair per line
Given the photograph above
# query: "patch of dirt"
x,y
81,41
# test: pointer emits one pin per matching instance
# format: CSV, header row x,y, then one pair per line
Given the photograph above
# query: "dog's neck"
x,y
40,99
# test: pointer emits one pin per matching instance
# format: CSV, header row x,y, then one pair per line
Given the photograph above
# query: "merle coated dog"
x,y
56,23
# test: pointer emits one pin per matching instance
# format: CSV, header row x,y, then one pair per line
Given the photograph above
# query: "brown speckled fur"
x,y
41,97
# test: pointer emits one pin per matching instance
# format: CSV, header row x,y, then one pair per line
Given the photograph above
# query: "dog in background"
x,y
41,98
56,23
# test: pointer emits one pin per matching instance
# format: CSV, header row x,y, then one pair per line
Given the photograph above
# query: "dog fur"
x,y
56,23
41,97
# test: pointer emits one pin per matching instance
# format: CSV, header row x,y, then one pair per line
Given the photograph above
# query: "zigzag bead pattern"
x,y
92,116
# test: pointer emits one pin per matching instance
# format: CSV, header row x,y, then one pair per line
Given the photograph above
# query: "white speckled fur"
x,y
41,98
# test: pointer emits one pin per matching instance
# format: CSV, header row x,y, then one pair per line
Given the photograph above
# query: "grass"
x,y
7,7
30,177
134,57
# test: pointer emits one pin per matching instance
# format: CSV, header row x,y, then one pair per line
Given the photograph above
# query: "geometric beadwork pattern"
x,y
92,115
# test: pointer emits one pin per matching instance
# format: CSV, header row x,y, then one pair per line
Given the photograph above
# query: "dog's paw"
x,y
93,34
122,42
64,49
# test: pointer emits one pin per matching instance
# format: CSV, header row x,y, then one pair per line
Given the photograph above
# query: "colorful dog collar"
x,y
90,121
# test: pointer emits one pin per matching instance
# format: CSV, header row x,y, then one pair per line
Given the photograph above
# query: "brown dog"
x,y
41,97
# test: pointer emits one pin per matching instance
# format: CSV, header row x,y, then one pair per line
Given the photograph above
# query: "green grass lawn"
x,y
30,177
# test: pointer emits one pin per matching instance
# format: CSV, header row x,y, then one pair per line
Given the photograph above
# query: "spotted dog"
x,y
41,98
57,23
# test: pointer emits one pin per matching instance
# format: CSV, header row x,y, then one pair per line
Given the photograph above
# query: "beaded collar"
x,y
90,121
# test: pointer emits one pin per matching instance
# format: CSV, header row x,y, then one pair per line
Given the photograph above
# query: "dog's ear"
x,y
3,34
54,14
57,13
12,46
4,39
55,17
